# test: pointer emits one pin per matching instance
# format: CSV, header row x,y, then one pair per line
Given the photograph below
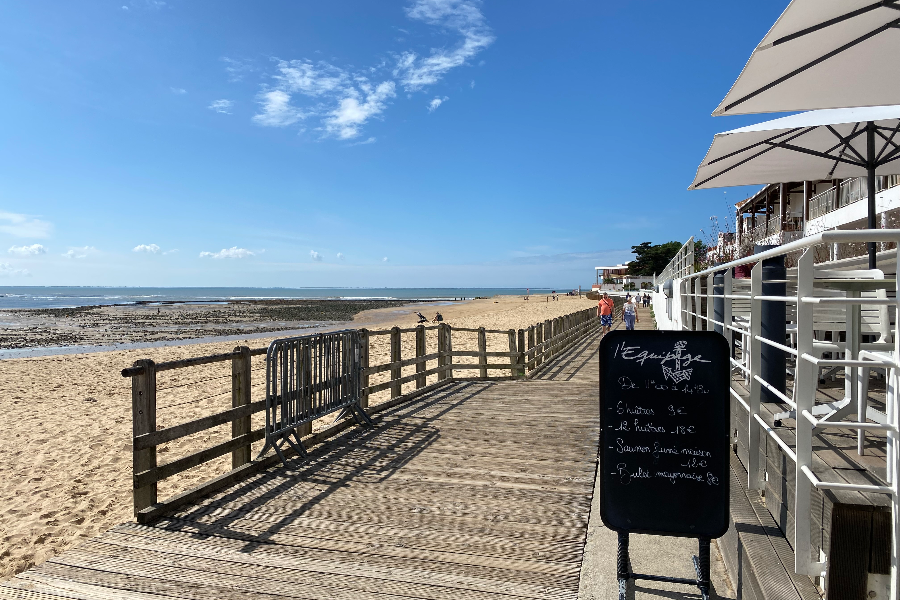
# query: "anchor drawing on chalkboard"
x,y
678,374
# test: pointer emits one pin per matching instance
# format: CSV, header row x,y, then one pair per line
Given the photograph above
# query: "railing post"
x,y
143,415
240,396
754,476
482,352
442,352
364,367
726,313
512,350
530,366
805,380
395,358
548,338
448,339
420,352
539,339
521,358
305,388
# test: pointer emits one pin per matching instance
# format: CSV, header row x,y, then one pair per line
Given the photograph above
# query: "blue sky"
x,y
408,143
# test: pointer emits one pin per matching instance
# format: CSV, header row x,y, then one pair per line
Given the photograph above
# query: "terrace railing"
x,y
849,192
441,354
811,290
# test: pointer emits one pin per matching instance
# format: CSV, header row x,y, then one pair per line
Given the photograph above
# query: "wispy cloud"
x,y
7,270
370,140
237,68
32,250
436,102
178,91
340,256
221,106
149,248
233,252
80,252
24,226
463,17
316,256
385,259
343,100
172,251
277,110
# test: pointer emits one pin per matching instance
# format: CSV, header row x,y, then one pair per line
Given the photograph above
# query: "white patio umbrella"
x,y
822,54
819,144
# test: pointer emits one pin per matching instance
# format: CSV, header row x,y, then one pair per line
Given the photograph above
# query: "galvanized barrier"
x,y
307,378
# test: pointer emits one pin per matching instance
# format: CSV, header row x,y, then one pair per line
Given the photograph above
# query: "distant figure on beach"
x,y
438,317
629,313
605,310
527,293
422,318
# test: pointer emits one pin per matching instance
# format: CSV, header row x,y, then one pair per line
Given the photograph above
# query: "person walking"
x,y
605,311
629,313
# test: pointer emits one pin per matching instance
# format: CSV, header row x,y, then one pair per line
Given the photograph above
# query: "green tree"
x,y
650,258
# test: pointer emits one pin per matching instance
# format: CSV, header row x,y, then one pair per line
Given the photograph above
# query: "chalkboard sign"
x,y
664,451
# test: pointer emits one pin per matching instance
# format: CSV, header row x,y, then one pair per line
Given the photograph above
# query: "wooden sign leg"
x,y
622,571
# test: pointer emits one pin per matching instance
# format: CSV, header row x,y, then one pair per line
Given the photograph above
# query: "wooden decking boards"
x,y
473,491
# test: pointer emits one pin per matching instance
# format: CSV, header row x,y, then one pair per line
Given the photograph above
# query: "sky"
x,y
352,143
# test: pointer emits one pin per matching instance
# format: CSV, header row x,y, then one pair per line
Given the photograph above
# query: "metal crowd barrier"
x,y
695,291
307,378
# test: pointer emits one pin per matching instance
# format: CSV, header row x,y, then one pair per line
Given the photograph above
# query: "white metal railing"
x,y
681,265
850,191
694,292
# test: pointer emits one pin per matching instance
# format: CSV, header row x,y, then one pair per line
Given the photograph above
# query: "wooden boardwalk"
x,y
476,490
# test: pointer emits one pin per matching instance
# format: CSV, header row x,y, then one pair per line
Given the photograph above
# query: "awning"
x,y
815,145
822,54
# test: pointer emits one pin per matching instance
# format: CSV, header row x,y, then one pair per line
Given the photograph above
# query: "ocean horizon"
x,y
23,297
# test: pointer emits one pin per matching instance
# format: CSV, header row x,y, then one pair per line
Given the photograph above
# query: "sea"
x,y
18,297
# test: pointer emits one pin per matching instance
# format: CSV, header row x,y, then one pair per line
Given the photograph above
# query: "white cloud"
x,y
31,250
221,106
316,256
370,140
385,259
461,16
312,80
172,251
355,109
24,226
237,68
150,248
340,256
233,252
178,91
277,110
472,85
7,270
80,252
433,105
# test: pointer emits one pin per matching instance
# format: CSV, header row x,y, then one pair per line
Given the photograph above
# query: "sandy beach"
x,y
66,453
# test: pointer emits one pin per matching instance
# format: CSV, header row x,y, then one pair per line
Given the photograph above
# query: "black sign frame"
x,y
664,505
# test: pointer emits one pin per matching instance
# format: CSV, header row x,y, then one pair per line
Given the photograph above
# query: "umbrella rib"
x,y
809,65
760,143
887,140
846,140
749,158
819,154
856,131
829,22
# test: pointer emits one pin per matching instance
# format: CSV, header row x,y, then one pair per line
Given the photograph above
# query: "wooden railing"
x,y
529,351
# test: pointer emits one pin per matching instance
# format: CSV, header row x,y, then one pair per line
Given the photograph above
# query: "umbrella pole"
x,y
870,181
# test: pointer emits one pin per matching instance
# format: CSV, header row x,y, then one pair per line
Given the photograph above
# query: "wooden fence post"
x,y
548,338
482,352
420,352
143,415
530,366
442,352
520,359
240,396
448,339
364,366
539,339
395,358
512,350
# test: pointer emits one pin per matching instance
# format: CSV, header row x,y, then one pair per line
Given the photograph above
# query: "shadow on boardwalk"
x,y
476,490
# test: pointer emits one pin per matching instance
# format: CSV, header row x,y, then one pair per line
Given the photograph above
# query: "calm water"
x,y
64,297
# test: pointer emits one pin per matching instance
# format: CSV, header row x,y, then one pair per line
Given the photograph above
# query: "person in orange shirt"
x,y
605,310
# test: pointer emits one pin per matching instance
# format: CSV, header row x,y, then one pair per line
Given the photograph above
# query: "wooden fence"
x,y
529,350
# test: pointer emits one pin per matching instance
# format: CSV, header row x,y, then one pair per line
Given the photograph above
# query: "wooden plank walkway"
x,y
476,490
